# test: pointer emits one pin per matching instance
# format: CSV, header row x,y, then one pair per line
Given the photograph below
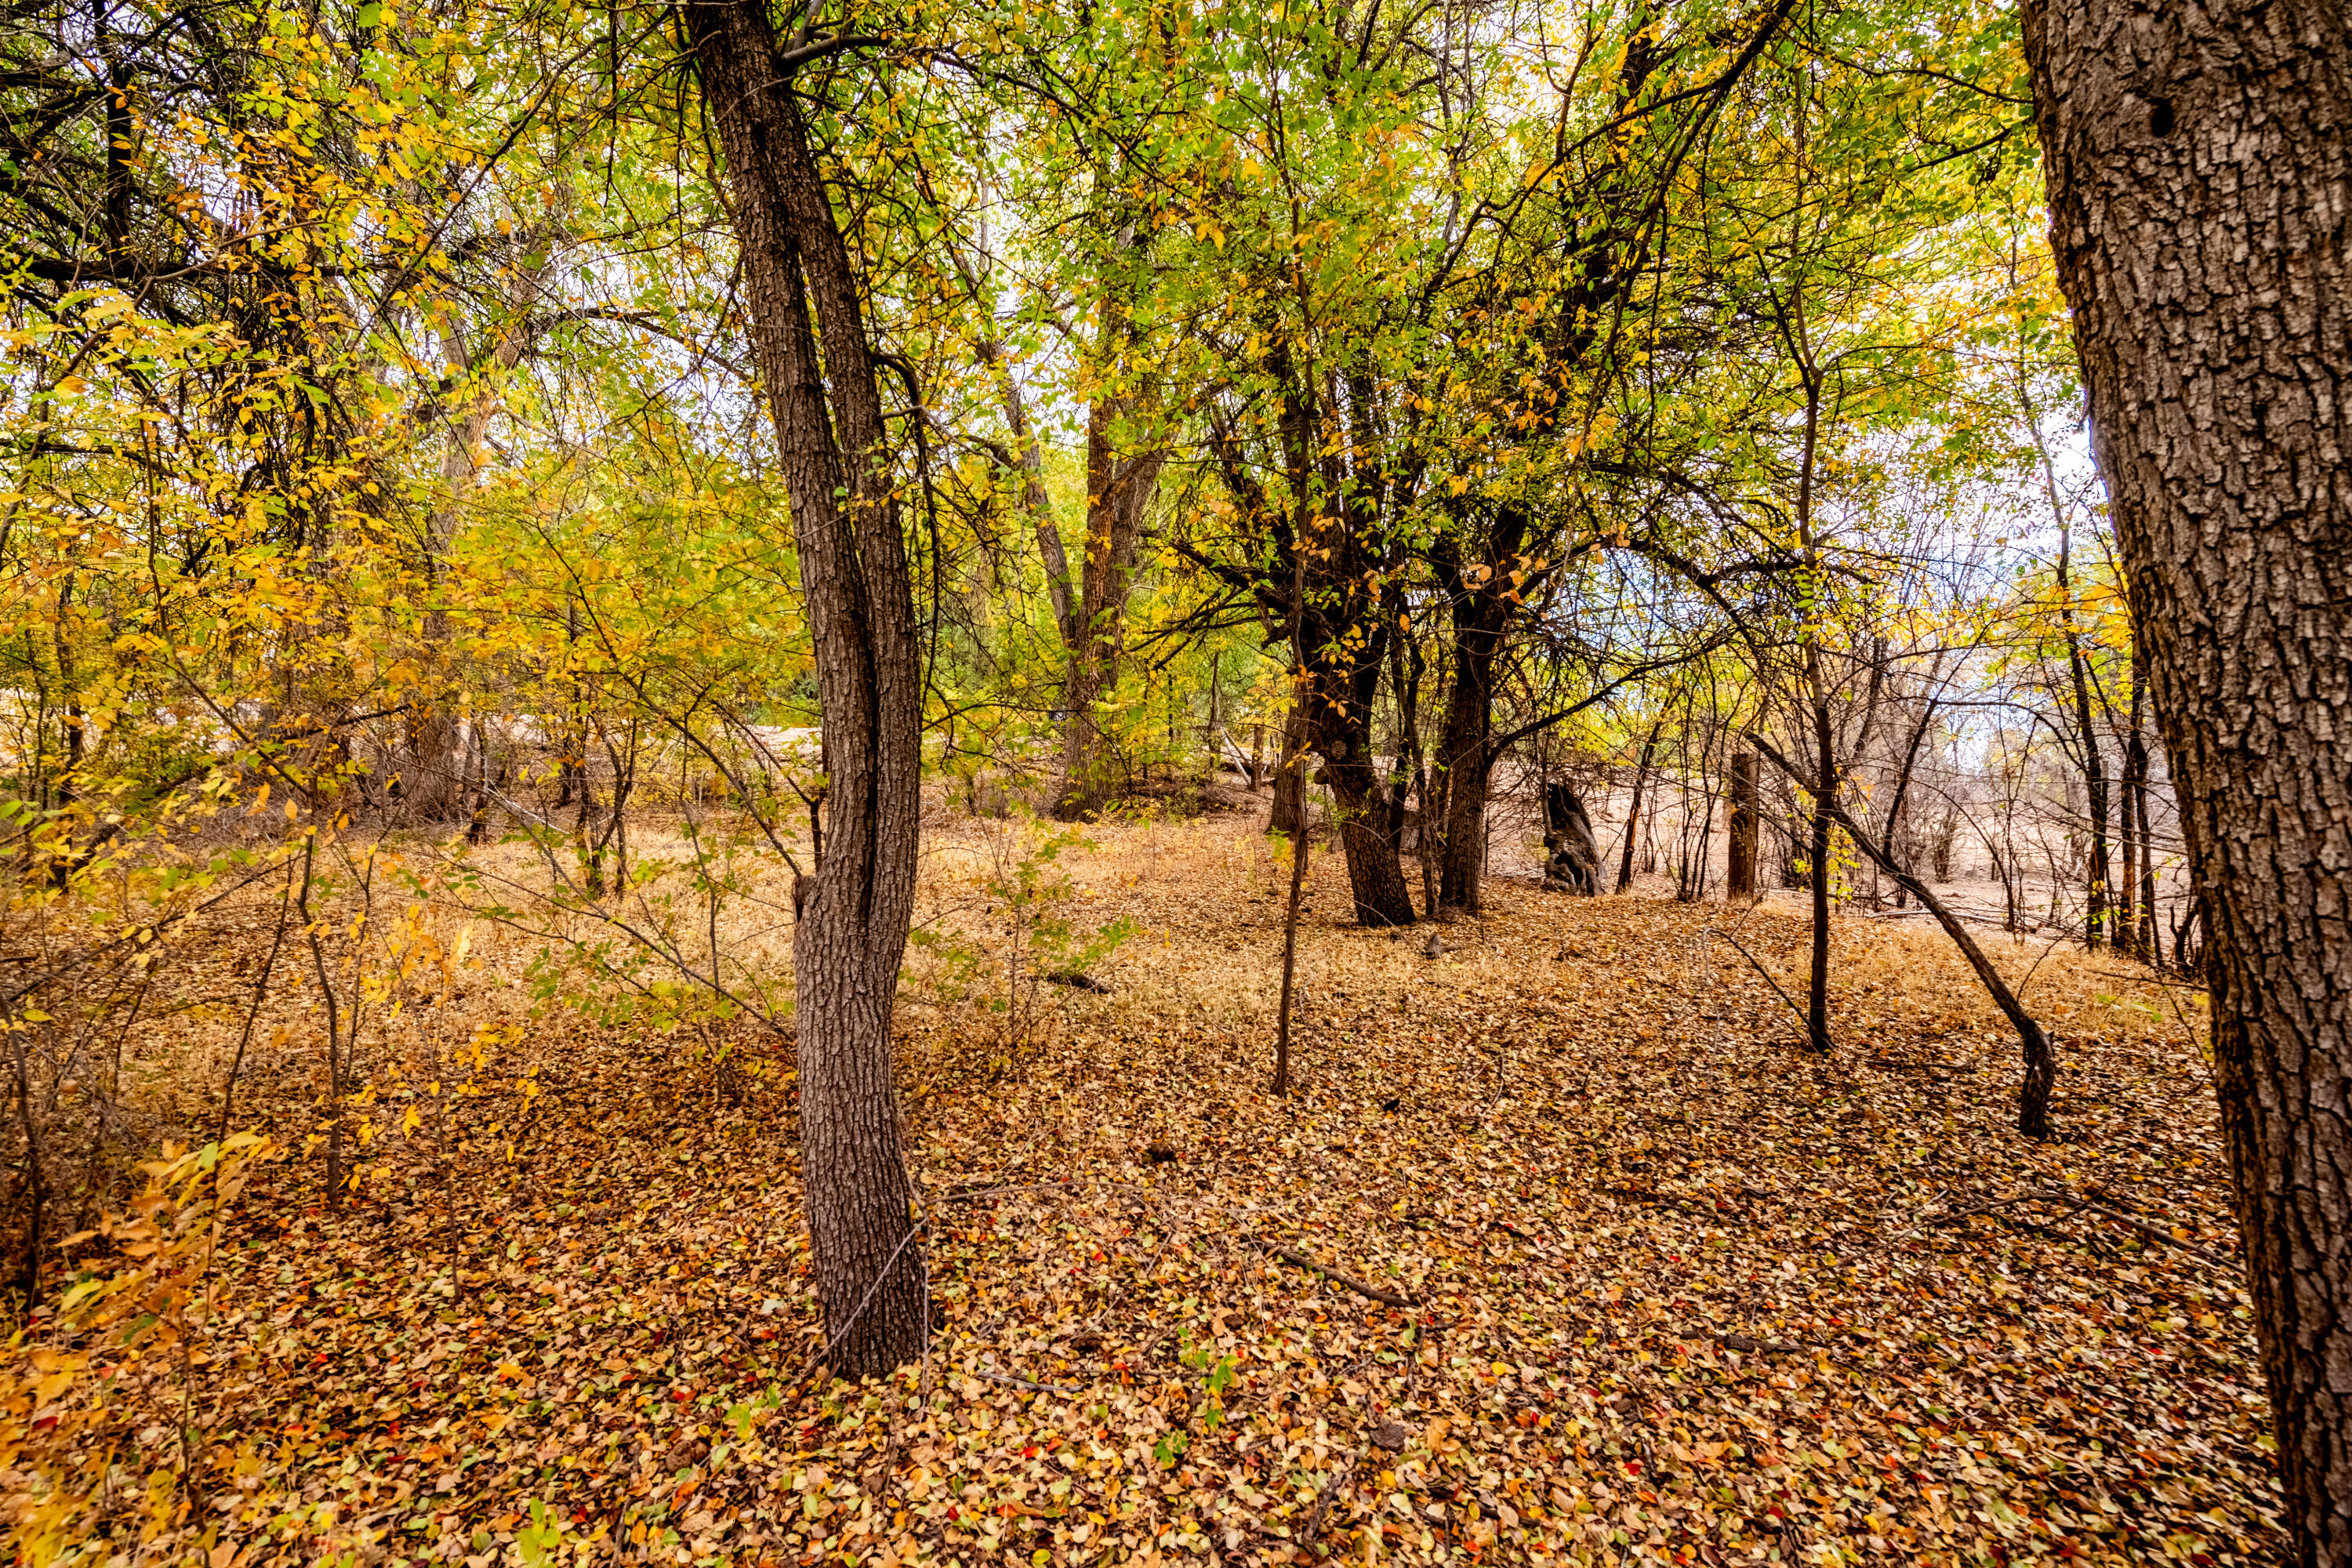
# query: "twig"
x,y
2166,981
1333,1274
2078,1202
1327,1497
1748,1345
996,1192
1759,969
1024,1382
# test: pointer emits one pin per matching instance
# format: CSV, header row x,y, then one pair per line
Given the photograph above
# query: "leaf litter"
x,y
1566,1252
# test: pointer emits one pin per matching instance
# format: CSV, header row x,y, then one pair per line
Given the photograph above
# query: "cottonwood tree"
x,y
2200,168
809,331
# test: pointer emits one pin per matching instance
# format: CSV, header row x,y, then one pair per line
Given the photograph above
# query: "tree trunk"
x,y
1633,813
854,909
1825,786
1288,813
1119,489
1462,867
433,787
1468,764
2126,931
1741,878
1483,608
2199,162
2146,941
2094,776
2040,1059
1375,868
1028,453
1817,994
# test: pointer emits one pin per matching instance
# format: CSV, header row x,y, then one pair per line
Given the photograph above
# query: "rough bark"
x,y
1288,812
2200,165
854,909
1118,492
1366,826
1741,883
1468,758
1342,644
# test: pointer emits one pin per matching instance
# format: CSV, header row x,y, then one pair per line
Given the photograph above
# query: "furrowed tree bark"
x,y
2200,165
1340,644
1484,607
1740,883
1288,814
1118,493
1366,827
854,909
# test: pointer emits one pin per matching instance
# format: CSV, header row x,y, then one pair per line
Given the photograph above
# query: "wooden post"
x,y
1742,879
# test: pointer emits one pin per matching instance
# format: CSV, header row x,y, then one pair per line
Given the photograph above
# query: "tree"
x,y
2199,169
854,910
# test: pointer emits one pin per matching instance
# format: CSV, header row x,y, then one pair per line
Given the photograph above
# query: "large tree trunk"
x,y
2200,161
1367,825
853,911
1484,607
1466,759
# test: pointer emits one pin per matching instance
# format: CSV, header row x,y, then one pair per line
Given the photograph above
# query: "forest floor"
x,y
1675,1289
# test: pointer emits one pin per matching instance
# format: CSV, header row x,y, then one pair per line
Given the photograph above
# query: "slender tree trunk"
x,y
1817,993
2151,940
2200,165
433,787
2095,784
1298,853
1634,811
854,909
1118,492
1409,775
2145,942
1287,816
2040,1059
2126,931
34,1182
1741,879
1028,452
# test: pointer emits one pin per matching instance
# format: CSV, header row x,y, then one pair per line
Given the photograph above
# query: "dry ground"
x,y
1677,1291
